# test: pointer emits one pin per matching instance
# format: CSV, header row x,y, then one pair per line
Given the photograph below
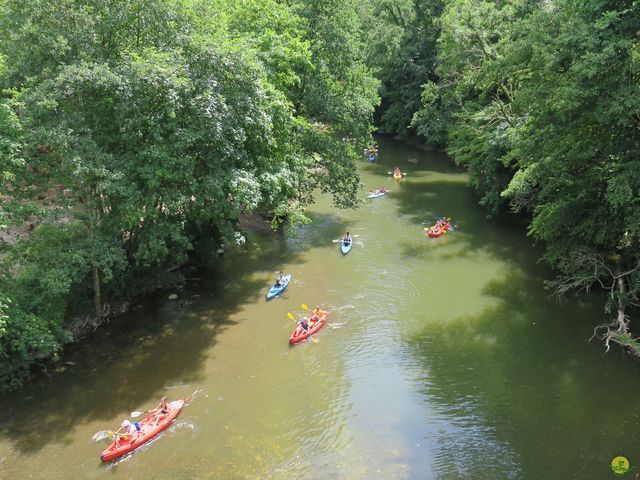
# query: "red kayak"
x,y
300,334
436,231
150,426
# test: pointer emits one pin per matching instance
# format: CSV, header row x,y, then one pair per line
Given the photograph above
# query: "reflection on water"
x,y
442,359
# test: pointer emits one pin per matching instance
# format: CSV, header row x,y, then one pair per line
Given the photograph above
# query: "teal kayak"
x,y
277,290
345,247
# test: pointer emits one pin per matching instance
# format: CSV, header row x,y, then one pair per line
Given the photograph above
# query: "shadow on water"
x,y
521,393
423,202
158,346
410,158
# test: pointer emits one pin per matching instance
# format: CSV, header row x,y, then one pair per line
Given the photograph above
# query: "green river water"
x,y
442,359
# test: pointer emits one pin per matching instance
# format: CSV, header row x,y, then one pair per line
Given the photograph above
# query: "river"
x,y
442,359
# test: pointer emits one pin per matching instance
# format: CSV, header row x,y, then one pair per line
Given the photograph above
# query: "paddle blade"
x,y
136,414
101,435
305,307
291,317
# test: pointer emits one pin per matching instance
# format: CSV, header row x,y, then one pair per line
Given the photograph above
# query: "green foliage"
x,y
340,90
10,157
401,38
24,339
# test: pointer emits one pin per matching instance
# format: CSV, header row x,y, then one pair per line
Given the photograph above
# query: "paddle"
x,y
391,173
342,239
290,315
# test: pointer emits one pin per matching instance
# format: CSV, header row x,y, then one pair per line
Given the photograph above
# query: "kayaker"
x,y
317,313
128,430
347,239
162,408
304,324
397,172
280,280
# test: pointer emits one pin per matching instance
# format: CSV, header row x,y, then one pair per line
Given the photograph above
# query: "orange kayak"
x,y
300,334
435,231
150,426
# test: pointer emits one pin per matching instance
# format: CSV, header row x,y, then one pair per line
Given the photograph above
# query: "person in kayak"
x,y
304,324
162,408
128,430
317,314
280,280
397,172
347,239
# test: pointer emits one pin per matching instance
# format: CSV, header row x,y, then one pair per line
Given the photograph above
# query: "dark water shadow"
x,y
159,346
423,202
410,158
526,396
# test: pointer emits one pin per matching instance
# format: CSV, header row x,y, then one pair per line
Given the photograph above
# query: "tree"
x,y
401,45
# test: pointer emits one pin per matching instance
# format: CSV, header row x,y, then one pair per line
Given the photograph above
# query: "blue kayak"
x,y
345,247
275,291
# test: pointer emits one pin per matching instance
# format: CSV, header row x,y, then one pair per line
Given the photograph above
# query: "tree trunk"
x,y
97,297
97,300
622,319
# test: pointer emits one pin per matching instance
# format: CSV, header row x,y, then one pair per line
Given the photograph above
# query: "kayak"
x,y
377,194
397,177
373,157
274,291
299,334
150,426
434,231
345,247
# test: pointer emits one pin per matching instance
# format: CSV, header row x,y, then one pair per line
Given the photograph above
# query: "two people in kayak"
x,y
307,323
132,430
379,190
441,223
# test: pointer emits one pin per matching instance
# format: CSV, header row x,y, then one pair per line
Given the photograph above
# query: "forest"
x,y
134,134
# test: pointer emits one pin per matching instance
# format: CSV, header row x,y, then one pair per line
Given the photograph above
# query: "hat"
x,y
125,423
